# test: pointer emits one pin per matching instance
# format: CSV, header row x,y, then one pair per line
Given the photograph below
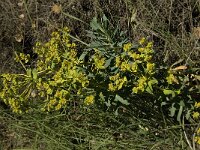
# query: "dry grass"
x,y
169,23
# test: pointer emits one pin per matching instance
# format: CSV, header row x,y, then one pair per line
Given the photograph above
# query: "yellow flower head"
x,y
135,90
171,79
142,80
134,55
111,87
115,77
197,139
150,67
141,85
198,131
141,41
195,115
125,66
149,45
127,47
197,105
117,61
99,61
89,100
141,49
147,58
134,67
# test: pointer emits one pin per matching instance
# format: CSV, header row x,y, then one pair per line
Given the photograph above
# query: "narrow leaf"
x,y
94,24
187,116
169,92
28,71
34,72
120,99
108,62
172,110
82,57
163,103
179,113
116,112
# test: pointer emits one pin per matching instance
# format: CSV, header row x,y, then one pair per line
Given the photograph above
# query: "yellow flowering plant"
x,y
111,73
116,66
119,68
54,81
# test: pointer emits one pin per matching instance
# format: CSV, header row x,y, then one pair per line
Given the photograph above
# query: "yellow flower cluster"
x,y
127,47
141,85
196,114
142,56
126,65
138,64
171,78
57,101
117,82
61,63
54,80
142,41
89,100
197,105
22,57
99,61
48,53
14,91
197,137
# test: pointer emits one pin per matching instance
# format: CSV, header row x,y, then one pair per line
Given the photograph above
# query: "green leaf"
x,y
116,112
104,18
163,103
120,99
115,31
149,90
169,92
187,116
105,21
179,113
108,62
94,24
122,42
95,44
34,72
178,92
172,110
153,81
82,57
177,62
28,71
113,103
182,103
